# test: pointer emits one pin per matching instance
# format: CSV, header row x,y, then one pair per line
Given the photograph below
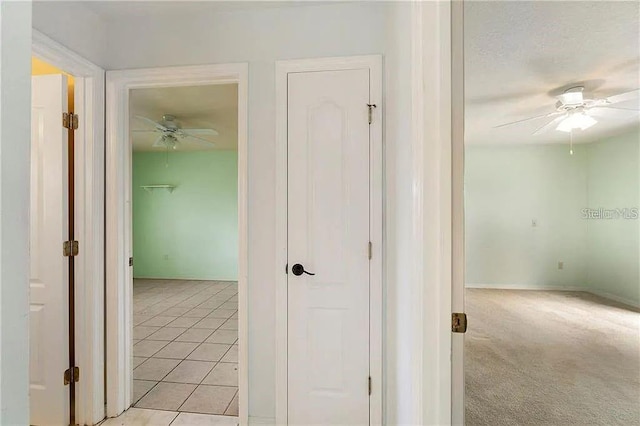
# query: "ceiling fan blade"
x,y
145,131
159,142
600,112
196,139
624,97
613,113
619,108
550,124
206,132
151,122
551,114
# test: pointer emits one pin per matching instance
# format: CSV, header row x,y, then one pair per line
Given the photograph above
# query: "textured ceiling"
x,y
195,107
518,54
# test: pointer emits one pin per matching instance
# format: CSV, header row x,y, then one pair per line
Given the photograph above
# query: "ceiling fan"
x,y
171,134
574,111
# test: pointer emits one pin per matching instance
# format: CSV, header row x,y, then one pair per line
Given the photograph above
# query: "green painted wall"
x,y
191,233
614,183
507,190
508,187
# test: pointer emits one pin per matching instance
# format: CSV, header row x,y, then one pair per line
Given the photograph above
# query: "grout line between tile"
x,y
198,343
230,402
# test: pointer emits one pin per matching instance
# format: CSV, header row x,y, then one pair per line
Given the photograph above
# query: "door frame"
x,y
457,209
118,218
89,222
437,124
283,68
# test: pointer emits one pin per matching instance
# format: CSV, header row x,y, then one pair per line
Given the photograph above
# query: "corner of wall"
x,y
75,26
614,183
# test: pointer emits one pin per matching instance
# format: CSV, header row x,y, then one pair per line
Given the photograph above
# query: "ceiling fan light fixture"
x,y
572,96
576,121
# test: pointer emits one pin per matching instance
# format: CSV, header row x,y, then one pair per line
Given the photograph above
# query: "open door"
x,y
49,275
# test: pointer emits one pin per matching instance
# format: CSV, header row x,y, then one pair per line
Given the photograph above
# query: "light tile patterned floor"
x,y
185,347
145,417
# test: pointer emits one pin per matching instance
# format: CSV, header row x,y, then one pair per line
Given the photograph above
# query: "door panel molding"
x,y
374,64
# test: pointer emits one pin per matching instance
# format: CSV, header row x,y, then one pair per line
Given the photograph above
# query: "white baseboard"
x,y
615,298
186,279
556,287
552,287
262,420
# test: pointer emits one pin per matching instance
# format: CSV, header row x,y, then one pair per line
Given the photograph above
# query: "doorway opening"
x,y
176,255
184,143
551,224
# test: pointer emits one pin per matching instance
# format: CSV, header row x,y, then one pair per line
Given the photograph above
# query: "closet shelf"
x,y
150,188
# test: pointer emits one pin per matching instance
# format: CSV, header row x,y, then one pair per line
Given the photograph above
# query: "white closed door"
x,y
49,278
328,235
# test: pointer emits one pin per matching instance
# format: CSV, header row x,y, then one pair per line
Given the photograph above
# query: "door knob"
x,y
298,269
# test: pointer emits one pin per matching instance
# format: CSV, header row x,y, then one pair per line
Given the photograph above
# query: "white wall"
x,y
15,141
508,187
74,25
613,244
399,376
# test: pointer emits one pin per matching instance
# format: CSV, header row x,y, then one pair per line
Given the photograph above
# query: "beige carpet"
x,y
551,358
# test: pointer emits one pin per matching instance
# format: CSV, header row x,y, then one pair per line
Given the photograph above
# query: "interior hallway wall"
x,y
75,25
399,329
192,232
15,145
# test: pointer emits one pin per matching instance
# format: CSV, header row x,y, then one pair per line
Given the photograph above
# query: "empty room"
x,y
185,248
551,213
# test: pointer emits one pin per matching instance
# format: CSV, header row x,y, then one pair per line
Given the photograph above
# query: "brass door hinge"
x,y
71,375
369,385
458,322
69,120
370,250
70,248
131,261
371,107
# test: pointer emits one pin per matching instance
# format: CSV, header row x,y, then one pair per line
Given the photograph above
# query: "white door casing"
x,y
328,233
118,165
49,276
